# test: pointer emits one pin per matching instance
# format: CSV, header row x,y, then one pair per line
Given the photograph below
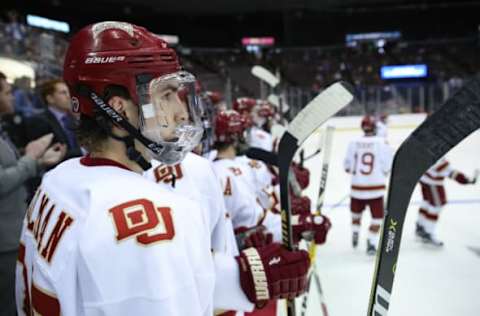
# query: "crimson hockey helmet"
x,y
215,97
229,126
115,53
368,124
264,109
123,54
244,105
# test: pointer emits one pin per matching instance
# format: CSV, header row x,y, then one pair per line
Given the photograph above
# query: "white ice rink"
x,y
428,281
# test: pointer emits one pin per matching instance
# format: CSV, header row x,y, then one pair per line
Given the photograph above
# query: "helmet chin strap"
x,y
132,153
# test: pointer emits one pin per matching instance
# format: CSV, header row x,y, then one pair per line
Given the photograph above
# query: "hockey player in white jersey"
x,y
259,135
100,239
248,217
369,161
194,178
382,125
435,197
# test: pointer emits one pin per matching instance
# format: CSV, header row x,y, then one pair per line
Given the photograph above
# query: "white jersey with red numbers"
x,y
237,183
99,239
195,179
262,180
259,138
382,129
368,160
437,173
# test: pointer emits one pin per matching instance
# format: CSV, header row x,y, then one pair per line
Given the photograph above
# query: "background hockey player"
x,y
382,125
435,197
100,238
259,135
368,160
252,223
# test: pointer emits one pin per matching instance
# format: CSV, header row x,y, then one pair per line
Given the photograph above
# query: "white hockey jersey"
x,y
241,196
382,129
368,160
238,185
437,173
195,179
101,240
262,181
259,138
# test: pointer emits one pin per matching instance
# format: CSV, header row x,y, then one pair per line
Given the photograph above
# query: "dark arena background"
x,y
404,59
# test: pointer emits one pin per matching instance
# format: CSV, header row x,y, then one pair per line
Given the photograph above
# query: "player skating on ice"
x,y
382,125
435,197
368,160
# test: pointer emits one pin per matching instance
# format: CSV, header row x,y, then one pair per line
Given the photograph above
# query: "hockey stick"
x,y
263,155
321,197
334,206
325,164
322,107
275,98
444,129
265,75
312,155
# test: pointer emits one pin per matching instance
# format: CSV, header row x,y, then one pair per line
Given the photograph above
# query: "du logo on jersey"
x,y
168,174
141,220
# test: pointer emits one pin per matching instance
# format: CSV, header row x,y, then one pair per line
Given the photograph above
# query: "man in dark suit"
x,y
57,118
15,169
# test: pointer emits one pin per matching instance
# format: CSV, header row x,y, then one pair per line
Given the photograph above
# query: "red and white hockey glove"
x,y
300,205
311,227
302,175
272,272
257,236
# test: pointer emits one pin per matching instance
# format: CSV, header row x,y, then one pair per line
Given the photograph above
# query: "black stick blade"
x,y
454,121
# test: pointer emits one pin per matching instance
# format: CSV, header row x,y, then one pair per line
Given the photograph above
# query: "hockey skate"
x,y
355,239
371,249
432,240
420,231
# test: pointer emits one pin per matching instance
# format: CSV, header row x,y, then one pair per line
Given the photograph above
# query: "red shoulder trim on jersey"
x,y
93,162
442,166
433,177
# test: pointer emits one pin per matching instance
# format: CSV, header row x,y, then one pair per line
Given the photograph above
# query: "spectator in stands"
x,y
24,99
16,31
14,171
57,119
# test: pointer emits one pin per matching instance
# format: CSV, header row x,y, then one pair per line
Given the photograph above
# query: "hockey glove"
x,y
256,236
311,227
272,272
302,175
300,205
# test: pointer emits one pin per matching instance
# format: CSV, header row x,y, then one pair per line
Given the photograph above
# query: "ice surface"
x,y
428,281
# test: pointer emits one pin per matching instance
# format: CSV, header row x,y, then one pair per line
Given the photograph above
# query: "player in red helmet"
x,y
98,238
259,135
368,125
104,60
244,105
368,160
